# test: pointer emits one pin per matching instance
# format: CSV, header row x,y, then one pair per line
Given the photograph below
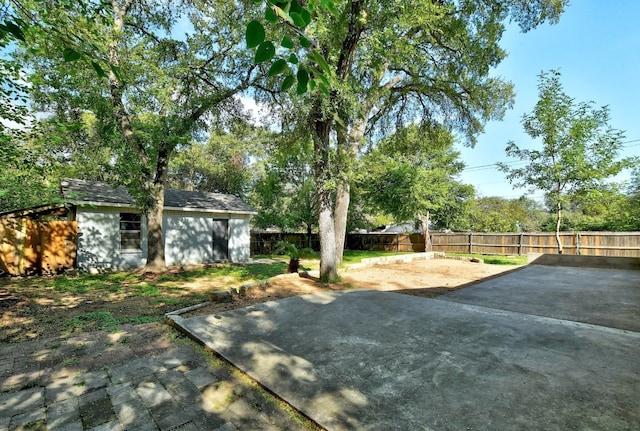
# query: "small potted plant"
x,y
294,253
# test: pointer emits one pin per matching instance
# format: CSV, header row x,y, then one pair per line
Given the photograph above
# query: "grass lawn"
x,y
50,306
495,259
349,257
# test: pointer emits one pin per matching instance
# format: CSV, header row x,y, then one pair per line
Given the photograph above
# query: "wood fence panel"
x,y
31,247
450,242
610,244
385,242
58,241
587,243
545,242
11,237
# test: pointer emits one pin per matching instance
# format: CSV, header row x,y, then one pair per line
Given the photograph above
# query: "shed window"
x,y
130,233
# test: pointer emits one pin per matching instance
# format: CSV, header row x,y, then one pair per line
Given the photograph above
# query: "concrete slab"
x,y
607,297
584,261
382,361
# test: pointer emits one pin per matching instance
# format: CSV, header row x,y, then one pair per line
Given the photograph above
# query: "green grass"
x,y
495,259
168,284
142,286
92,321
356,256
349,257
146,289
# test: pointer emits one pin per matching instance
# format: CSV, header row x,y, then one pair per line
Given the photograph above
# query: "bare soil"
x,y
28,313
424,278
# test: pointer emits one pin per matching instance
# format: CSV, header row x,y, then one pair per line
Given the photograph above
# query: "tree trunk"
x,y
309,234
155,243
328,262
348,147
341,211
558,223
424,224
321,128
154,210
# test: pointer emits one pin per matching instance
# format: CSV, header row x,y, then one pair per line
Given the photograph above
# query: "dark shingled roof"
x,y
83,191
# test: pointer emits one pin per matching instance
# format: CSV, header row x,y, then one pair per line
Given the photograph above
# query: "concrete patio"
x,y
540,348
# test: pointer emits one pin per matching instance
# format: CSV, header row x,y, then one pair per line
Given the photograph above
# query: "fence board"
x,y
586,243
33,247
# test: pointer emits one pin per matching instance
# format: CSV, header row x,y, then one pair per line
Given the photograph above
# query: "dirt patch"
x,y
425,278
422,275
35,311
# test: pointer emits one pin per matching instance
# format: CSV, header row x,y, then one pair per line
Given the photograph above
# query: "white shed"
x,y
197,227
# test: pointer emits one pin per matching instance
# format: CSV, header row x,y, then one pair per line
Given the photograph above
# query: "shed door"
x,y
220,239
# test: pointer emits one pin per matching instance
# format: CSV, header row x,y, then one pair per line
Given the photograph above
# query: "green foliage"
x,y
284,190
494,214
223,164
92,321
294,253
154,89
579,148
412,174
255,34
291,250
495,259
628,216
391,63
291,21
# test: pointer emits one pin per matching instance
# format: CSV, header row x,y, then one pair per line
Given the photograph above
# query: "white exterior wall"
x,y
239,239
99,240
188,238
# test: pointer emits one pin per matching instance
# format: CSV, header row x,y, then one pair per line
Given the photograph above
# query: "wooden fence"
x,y
33,247
584,243
265,243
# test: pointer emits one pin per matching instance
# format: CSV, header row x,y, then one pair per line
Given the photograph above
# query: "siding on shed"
x,y
99,240
239,239
188,238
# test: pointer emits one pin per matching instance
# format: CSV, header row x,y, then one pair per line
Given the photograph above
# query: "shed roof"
x,y
102,194
48,210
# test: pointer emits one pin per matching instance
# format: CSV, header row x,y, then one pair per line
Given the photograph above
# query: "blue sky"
x,y
596,47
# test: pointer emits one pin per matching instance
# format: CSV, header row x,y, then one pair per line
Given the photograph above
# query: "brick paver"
x,y
142,378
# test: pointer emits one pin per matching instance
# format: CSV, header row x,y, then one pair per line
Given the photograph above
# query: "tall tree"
x,y
283,191
398,61
411,175
164,69
224,164
579,148
494,214
629,217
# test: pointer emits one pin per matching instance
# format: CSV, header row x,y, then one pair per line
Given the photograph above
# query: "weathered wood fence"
x,y
584,243
34,247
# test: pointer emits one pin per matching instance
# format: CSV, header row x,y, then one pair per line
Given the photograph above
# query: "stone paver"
x,y
138,379
63,413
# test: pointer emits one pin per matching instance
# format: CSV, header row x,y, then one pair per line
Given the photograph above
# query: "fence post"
x,y
578,240
471,243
